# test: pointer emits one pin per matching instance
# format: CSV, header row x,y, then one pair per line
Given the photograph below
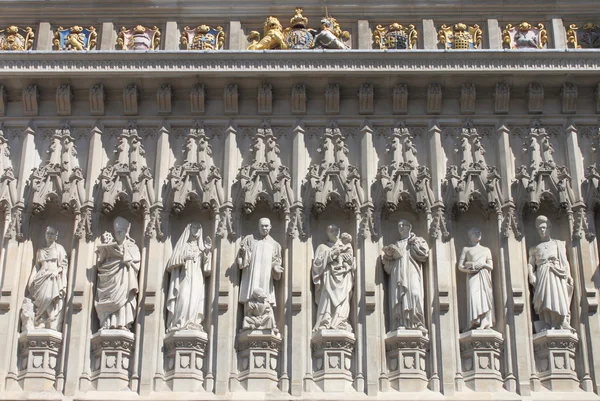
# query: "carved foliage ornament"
x,y
15,38
460,36
395,36
525,36
75,38
202,37
197,180
265,178
585,37
139,38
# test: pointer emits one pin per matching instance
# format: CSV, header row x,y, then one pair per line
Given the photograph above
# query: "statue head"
x,y
346,238
51,235
543,226
333,232
271,23
259,294
474,235
195,230
264,226
404,228
121,228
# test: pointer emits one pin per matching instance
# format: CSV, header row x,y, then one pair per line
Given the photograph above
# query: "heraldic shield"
x,y
75,38
203,37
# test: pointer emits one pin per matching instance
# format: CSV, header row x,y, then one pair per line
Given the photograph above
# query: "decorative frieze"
x,y
502,98
15,38
535,98
434,99
468,98
265,99
400,99
64,97
30,100
130,100
197,100
202,37
365,99
568,97
460,36
75,38
139,38
525,36
299,99
230,99
332,99
163,98
97,100
395,36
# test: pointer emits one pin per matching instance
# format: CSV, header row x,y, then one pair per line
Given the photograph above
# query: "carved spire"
x,y
127,178
265,178
197,180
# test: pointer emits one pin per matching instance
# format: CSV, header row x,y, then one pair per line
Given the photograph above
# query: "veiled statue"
x,y
333,275
47,285
403,261
550,276
189,264
259,257
476,262
117,283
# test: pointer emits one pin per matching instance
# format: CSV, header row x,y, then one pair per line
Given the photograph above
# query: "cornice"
x,y
331,63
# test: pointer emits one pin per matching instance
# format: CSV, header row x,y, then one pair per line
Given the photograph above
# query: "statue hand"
x,y
278,269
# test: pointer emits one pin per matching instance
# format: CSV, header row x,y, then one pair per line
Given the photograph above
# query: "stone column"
x,y
429,35
171,36
365,37
237,39
111,359
406,352
332,360
494,34
258,359
555,359
45,36
39,350
108,38
184,359
517,311
558,40
481,364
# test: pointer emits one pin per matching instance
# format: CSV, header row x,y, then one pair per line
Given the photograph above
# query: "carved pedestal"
x,y
555,359
184,359
405,353
332,359
258,354
111,352
480,352
38,356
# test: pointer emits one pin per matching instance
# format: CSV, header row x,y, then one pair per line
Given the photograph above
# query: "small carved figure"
x,y
117,285
259,313
188,265
550,276
476,262
333,276
27,315
259,258
48,282
403,261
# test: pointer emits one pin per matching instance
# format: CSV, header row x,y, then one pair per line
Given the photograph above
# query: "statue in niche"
x,y
550,276
403,261
259,257
117,285
333,275
259,313
476,262
189,264
48,283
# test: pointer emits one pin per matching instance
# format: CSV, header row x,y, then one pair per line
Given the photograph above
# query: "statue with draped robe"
x,y
403,261
48,283
117,282
189,264
476,262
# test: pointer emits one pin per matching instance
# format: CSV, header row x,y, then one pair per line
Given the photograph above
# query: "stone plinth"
x,y
38,356
554,352
405,353
111,353
480,352
184,358
332,359
258,355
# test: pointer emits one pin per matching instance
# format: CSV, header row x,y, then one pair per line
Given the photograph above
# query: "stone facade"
x,y
196,128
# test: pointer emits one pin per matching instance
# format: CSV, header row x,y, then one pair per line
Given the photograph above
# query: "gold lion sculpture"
x,y
272,36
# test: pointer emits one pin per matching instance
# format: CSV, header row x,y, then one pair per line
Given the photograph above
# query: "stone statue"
x,y
48,283
259,313
27,315
476,261
550,275
403,261
188,265
259,258
333,275
117,285
330,36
